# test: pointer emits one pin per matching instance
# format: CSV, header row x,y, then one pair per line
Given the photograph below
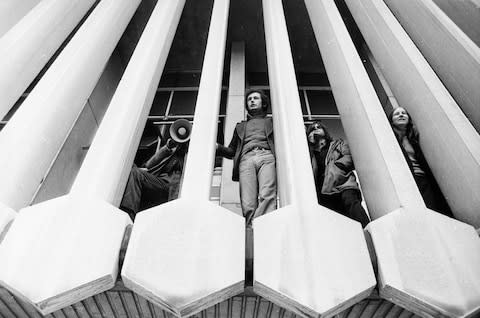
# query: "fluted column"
x,y
449,141
41,125
27,47
188,254
450,52
307,258
426,261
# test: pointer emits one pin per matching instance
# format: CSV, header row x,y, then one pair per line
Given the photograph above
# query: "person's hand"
x,y
171,143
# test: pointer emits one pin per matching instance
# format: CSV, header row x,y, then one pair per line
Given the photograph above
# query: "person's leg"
x,y
352,206
248,186
133,193
330,201
155,190
141,183
267,183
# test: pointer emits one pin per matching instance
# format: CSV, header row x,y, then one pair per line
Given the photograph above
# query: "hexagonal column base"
x,y
186,255
62,251
427,264
314,263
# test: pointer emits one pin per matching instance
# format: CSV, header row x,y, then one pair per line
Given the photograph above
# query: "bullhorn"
x,y
180,130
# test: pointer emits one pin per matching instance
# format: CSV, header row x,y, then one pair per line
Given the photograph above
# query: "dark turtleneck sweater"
x,y
255,133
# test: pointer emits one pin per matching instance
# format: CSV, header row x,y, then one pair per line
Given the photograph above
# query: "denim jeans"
x,y
258,183
143,186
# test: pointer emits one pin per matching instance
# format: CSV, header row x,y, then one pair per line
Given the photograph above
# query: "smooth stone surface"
x,y
61,251
426,263
184,255
306,260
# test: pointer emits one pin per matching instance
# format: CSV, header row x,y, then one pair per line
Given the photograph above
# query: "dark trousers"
x,y
143,190
348,203
432,196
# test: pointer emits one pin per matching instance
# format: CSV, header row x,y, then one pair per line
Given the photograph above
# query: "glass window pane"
x,y
322,103
183,103
159,104
302,102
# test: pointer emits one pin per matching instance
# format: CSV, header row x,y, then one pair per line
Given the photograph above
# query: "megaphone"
x,y
180,130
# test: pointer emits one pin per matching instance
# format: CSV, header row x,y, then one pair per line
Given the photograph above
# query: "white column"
x,y
427,263
389,103
449,141
56,268
229,194
450,52
27,47
41,125
188,254
307,258
76,254
465,14
12,11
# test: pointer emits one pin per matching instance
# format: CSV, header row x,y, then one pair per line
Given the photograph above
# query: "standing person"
x,y
253,152
408,139
157,181
335,182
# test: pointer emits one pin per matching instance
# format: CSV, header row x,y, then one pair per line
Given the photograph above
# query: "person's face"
x,y
317,136
254,101
400,118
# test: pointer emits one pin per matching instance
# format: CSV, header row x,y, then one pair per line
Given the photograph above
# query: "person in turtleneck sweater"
x,y
408,139
335,182
253,152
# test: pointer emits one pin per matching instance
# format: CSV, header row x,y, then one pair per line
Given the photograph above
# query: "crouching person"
x,y
253,152
157,181
336,185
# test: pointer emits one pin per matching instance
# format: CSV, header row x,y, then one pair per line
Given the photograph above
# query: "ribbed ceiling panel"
x,y
120,302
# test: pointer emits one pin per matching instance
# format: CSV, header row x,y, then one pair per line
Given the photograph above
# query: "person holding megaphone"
x,y
157,181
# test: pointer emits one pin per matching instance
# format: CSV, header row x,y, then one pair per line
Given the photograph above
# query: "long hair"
x,y
411,131
263,96
319,124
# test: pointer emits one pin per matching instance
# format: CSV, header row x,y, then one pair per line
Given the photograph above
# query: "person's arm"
x,y
345,162
228,152
160,153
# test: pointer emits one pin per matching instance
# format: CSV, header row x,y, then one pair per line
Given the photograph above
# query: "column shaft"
x,y
47,115
422,256
449,141
195,248
450,52
27,47
106,167
465,14
99,184
292,260
201,153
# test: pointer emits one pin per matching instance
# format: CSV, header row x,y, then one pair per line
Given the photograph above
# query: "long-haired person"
x,y
408,139
335,182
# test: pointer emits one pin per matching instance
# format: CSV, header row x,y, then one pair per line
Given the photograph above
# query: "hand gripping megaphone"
x,y
180,130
